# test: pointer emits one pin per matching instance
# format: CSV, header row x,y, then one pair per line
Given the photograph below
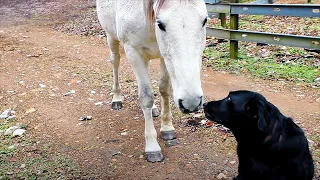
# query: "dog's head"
x,y
240,111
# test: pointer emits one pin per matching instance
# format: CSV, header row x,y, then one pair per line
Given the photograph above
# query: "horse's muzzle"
x,y
190,106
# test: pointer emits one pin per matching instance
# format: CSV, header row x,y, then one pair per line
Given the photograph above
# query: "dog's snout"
x,y
205,105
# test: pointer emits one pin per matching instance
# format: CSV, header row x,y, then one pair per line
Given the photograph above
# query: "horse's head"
x,y
180,32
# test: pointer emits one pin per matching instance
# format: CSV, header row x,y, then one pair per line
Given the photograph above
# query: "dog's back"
x,y
284,157
296,148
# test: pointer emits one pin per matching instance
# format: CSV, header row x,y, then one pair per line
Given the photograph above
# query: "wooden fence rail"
x,y
235,35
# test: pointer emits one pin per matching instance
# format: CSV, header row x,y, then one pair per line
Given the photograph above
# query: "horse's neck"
x,y
139,12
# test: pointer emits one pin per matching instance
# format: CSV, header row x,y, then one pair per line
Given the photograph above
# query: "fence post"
x,y
234,24
222,17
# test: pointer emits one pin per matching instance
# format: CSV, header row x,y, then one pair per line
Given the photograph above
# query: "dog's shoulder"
x,y
291,128
292,140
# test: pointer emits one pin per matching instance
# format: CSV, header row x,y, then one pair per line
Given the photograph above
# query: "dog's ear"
x,y
261,119
257,109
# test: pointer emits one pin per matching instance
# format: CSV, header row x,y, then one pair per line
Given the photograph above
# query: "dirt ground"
x,y
39,64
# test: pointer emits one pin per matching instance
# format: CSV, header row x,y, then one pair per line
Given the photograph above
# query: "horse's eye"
x,y
161,26
229,99
205,21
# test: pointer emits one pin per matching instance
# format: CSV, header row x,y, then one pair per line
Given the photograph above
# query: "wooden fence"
x,y
235,35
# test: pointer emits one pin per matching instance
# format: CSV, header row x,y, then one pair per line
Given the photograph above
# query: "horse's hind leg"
x,y
115,60
167,129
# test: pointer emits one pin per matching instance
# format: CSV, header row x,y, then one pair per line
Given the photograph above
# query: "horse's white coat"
x,y
179,48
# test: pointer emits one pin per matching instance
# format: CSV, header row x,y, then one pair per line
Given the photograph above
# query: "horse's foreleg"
x,y
115,60
140,68
167,129
155,111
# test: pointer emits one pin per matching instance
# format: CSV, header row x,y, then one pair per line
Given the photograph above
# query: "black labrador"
x,y
270,145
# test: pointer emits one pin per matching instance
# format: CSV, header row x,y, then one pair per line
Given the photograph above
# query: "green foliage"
x,y
17,161
5,124
6,141
265,68
246,1
6,149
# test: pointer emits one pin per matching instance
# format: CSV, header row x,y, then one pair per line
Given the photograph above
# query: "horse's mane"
x,y
150,13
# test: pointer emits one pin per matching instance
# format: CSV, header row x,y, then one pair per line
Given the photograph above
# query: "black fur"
x,y
270,145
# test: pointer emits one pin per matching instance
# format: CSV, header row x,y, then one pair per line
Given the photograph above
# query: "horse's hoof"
x,y
168,135
172,142
154,156
117,105
155,112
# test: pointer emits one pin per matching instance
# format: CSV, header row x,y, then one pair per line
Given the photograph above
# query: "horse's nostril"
x,y
180,103
183,109
190,106
200,101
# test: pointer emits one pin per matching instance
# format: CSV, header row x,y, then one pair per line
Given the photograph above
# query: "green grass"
x,y
253,18
280,24
5,124
42,166
315,149
269,67
246,1
6,142
5,149
19,161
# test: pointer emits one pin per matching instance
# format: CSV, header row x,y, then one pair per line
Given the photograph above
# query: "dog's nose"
x,y
205,105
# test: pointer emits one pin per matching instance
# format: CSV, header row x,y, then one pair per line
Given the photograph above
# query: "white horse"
x,y
172,30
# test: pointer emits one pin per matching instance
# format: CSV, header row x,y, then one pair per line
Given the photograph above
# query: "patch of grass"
x,y
253,18
6,148
24,158
295,51
270,70
275,24
312,26
42,166
246,1
315,148
5,124
261,67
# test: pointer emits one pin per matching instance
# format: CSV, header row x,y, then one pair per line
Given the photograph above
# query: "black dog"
x,y
270,145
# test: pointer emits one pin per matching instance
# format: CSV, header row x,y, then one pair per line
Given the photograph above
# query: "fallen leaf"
x,y
209,124
31,110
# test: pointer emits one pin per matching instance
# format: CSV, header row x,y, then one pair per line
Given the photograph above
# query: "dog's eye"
x,y
229,103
